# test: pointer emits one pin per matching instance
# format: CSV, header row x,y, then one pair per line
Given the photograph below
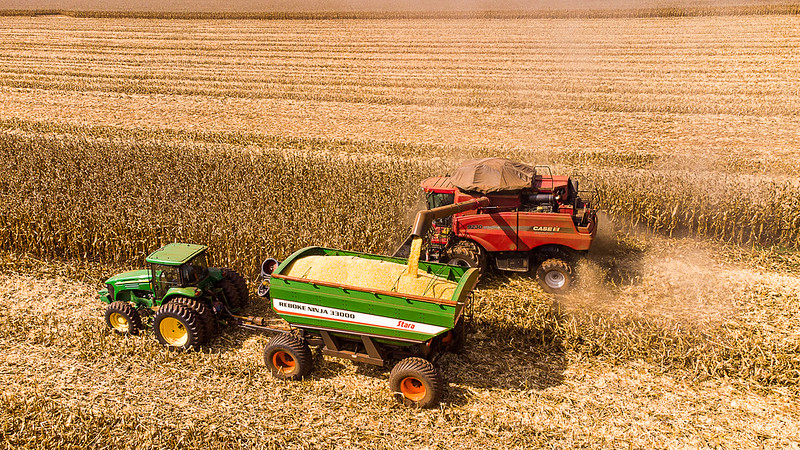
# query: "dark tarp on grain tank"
x,y
493,175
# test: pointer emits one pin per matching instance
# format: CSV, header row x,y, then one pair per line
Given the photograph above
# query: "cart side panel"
x,y
355,311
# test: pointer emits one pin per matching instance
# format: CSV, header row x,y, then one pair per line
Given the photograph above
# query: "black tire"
x,y
123,318
178,327
555,276
416,383
455,340
288,357
466,254
239,284
203,311
232,297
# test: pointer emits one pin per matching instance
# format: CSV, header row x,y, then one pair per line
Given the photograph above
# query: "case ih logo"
x,y
548,229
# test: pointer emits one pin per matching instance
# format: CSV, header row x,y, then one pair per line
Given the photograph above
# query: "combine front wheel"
x,y
466,254
417,382
555,276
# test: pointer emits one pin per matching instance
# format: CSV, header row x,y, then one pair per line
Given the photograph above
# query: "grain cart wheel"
x,y
203,311
555,276
456,338
288,357
240,285
178,327
123,318
417,381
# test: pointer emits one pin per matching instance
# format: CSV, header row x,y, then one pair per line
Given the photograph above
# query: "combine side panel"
x,y
551,228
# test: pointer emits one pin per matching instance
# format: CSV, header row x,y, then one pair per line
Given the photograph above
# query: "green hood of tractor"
x,y
132,279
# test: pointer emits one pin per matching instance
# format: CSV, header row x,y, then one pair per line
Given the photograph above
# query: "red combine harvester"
x,y
498,213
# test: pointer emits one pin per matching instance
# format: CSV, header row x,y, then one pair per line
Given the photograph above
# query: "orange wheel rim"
x,y
447,338
413,389
283,361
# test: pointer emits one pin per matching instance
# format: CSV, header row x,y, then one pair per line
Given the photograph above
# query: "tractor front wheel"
x,y
178,327
555,276
416,382
123,318
288,357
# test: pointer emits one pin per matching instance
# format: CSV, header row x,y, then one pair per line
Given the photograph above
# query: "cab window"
x,y
164,277
437,199
195,270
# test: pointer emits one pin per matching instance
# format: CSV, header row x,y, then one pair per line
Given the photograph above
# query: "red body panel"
x,y
521,231
506,225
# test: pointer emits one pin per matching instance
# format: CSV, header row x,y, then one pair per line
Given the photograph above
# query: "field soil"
x,y
65,374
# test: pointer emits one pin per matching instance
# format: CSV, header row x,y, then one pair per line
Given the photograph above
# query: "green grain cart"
x,y
373,326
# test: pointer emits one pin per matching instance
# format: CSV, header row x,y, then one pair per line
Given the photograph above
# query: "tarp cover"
x,y
493,175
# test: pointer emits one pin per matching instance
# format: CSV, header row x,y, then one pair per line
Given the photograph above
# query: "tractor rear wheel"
x,y
240,284
232,297
288,357
203,311
178,327
555,276
416,382
123,318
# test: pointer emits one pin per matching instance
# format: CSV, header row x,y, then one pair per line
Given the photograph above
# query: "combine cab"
x,y
506,215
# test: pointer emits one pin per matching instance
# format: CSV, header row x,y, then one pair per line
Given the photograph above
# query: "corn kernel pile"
x,y
371,274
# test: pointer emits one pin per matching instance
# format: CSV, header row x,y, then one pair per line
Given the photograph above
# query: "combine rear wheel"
x,y
123,318
288,357
555,276
203,311
178,327
416,382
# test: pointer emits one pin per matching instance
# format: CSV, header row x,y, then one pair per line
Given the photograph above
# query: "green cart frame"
x,y
367,325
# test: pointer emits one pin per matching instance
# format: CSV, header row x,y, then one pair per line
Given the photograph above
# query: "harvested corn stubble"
x,y
371,274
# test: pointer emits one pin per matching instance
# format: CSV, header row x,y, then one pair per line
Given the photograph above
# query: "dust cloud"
x,y
633,272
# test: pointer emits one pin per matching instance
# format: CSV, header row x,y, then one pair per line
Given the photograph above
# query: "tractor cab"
x,y
177,266
174,270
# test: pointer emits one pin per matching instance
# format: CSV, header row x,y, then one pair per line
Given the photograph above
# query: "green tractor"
x,y
184,292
